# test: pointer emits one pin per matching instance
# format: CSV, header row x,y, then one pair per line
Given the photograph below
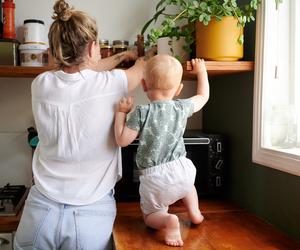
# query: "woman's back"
x,y
74,118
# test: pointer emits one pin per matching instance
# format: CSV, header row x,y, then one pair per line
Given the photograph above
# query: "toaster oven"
x,y
206,150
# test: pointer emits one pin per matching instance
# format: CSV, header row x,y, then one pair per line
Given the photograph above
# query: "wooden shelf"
x,y
213,67
21,72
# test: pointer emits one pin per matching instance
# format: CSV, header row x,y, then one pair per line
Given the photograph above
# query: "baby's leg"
x,y
168,222
192,205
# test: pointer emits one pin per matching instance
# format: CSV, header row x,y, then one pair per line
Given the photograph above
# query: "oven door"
x,y
127,189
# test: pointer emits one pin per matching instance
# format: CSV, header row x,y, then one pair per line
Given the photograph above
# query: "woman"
x,y
77,161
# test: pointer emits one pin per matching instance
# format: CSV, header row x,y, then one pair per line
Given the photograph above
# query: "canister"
x,y
34,55
9,54
34,31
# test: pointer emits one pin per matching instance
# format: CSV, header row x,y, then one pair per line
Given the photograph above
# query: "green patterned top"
x,y
161,125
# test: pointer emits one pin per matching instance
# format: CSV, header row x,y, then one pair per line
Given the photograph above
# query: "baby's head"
x,y
163,72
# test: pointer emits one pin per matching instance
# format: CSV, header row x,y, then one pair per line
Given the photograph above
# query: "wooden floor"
x,y
225,227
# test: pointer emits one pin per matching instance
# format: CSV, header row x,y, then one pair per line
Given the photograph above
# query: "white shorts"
x,y
164,184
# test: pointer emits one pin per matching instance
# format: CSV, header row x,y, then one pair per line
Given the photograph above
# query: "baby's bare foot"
x,y
196,217
172,233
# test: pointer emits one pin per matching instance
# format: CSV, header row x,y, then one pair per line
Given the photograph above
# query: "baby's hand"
x,y
198,66
125,105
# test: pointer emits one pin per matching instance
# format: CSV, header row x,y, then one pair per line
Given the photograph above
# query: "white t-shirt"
x,y
77,160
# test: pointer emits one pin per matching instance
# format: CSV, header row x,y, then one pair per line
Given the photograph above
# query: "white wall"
x,y
116,19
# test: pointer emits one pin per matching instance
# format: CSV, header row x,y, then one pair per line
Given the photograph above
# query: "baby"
x,y
166,175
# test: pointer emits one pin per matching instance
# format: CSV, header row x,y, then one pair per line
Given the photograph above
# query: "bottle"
x,y
8,19
140,45
1,22
283,126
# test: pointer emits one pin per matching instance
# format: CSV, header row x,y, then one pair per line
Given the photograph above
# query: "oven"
x,y
206,150
12,198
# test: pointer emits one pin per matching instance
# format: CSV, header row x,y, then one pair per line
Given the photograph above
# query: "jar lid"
x,y
103,42
33,21
30,46
105,46
120,42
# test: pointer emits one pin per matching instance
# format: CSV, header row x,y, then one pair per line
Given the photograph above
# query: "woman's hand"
x,y
131,55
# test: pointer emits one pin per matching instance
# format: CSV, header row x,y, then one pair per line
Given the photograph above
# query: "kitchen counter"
x,y
225,227
9,223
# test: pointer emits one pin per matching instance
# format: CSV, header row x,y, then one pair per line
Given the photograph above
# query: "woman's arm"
x,y
135,74
111,62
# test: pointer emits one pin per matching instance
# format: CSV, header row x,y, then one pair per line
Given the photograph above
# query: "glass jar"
x,y
118,47
283,126
106,50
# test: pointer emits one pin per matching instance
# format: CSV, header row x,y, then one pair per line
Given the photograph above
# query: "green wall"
x,y
272,195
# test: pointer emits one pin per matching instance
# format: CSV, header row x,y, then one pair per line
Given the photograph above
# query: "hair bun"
x,y
62,11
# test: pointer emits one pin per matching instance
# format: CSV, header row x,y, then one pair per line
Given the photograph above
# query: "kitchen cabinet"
x,y
213,68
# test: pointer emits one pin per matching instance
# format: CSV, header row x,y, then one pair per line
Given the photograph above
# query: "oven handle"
x,y
187,141
3,241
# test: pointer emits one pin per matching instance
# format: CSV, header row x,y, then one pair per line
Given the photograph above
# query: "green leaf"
x,y
241,39
203,5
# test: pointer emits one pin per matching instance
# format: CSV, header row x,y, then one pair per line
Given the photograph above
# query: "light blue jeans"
x,y
46,224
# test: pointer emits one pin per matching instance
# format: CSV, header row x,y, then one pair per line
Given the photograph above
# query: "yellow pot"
x,y
218,41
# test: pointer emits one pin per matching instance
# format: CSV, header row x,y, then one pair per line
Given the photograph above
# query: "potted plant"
x,y
170,38
218,25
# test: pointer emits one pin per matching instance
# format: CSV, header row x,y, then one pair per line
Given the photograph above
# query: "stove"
x,y
12,198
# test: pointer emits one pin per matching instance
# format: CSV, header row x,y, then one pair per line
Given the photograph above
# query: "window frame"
x,y
272,158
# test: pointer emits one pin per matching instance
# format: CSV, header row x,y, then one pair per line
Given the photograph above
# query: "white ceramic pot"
x,y
172,46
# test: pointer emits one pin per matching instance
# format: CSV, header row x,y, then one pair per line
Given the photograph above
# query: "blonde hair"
x,y
69,35
163,72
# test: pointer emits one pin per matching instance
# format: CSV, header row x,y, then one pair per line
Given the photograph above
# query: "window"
x,y
276,121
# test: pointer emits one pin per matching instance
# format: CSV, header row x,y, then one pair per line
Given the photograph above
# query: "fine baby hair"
x,y
163,72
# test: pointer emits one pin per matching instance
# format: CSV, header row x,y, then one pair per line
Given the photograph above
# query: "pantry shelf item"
x,y
106,50
9,54
9,19
34,55
34,31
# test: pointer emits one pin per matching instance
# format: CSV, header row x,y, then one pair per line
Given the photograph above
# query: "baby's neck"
x,y
159,95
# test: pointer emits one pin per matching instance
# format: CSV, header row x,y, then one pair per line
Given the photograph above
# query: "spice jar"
x,y
106,50
118,47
